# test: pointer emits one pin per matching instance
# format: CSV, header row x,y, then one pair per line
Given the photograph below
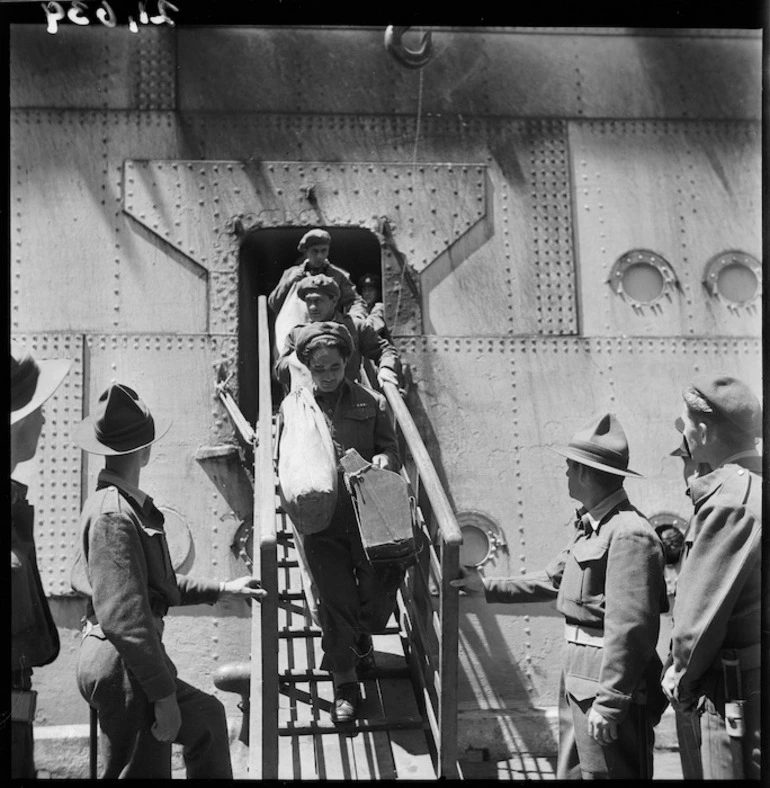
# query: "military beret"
x,y
318,283
368,281
309,336
733,401
314,238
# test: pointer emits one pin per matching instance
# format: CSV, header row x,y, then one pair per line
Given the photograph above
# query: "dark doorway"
x,y
263,256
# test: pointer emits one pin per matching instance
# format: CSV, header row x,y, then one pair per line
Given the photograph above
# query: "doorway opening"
x,y
263,256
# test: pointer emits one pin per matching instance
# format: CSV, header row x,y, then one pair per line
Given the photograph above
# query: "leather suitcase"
x,y
384,509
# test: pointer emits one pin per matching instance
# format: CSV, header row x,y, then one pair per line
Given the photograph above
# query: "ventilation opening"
x,y
263,256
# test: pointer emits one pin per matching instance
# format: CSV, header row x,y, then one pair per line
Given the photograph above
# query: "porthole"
x,y
642,277
670,528
482,538
735,277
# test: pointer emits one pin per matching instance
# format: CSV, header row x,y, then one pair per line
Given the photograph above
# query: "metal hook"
x,y
408,57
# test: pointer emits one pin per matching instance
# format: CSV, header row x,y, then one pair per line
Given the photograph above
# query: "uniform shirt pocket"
x,y
359,429
591,558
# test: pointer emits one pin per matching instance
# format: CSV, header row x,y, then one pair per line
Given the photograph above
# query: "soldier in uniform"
x,y
315,245
609,585
124,570
322,295
34,637
355,599
715,640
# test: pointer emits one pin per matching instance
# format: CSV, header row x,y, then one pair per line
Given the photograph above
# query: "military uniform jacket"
x,y
719,595
609,578
125,571
359,419
34,637
366,342
350,299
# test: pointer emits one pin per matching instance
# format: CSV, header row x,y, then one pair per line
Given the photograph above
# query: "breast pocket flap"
x,y
590,550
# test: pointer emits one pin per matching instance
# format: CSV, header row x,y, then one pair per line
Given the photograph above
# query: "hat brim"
x,y
85,438
52,374
578,456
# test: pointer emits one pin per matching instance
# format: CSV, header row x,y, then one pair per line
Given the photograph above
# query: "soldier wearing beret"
x,y
124,570
370,289
355,600
315,245
321,294
609,585
687,724
715,641
34,637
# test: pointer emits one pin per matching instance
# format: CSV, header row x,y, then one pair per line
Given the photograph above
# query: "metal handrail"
x,y
263,720
444,719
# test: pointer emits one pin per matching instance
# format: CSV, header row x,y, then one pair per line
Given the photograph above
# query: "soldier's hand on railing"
x,y
387,375
247,586
470,581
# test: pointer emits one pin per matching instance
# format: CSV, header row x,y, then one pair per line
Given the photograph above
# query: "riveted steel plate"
x,y
77,260
176,376
510,72
183,201
54,474
492,407
92,67
686,191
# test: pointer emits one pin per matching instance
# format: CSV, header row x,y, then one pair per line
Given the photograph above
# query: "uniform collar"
x,y
322,269
596,514
701,487
751,455
107,478
18,492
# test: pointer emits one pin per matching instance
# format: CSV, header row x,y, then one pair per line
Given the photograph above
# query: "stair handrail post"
x,y
449,607
263,745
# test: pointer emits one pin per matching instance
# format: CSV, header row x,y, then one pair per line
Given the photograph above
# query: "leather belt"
x,y
749,658
588,636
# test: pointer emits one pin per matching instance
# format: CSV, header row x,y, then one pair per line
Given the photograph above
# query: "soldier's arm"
x,y
385,440
540,586
278,296
635,584
351,302
375,347
725,553
282,368
119,581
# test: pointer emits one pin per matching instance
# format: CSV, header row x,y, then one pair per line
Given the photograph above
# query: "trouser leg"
x,y
688,736
203,734
568,766
331,564
620,760
22,751
128,748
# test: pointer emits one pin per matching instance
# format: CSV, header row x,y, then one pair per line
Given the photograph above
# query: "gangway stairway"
x,y
387,741
407,721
